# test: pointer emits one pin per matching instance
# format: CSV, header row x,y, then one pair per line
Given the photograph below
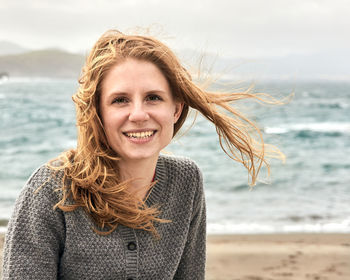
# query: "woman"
x,y
114,208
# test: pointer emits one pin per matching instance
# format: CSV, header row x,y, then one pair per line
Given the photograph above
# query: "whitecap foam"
x,y
276,130
242,228
326,127
227,227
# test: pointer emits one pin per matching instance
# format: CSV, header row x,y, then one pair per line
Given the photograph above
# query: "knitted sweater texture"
x,y
42,243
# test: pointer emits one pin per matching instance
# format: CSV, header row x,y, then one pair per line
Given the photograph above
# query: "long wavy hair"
x,y
91,177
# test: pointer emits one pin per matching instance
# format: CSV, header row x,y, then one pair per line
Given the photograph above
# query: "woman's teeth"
x,y
143,134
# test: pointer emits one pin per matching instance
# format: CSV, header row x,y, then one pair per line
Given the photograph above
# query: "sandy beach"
x,y
276,257
280,256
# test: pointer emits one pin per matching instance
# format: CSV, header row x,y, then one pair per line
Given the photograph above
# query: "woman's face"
x,y
138,110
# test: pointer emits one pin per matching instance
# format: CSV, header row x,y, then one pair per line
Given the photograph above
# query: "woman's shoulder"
x,y
38,196
183,176
45,179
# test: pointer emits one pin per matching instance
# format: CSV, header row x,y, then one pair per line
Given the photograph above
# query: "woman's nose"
x,y
138,113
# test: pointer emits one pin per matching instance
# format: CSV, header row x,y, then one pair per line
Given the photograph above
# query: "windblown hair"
x,y
91,176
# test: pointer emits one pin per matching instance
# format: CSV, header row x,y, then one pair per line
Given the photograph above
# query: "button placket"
x,y
131,252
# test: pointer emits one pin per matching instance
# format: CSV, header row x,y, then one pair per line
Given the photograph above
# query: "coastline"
x,y
295,256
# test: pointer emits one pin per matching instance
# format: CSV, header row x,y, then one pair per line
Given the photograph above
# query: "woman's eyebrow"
x,y
126,93
113,93
156,91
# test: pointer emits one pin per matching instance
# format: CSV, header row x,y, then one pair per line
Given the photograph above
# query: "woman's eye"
x,y
120,100
154,97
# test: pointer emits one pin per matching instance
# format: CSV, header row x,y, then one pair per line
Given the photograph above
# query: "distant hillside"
x,y
54,63
313,66
51,63
7,48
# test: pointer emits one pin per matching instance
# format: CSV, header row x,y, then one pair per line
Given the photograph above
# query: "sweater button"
x,y
132,246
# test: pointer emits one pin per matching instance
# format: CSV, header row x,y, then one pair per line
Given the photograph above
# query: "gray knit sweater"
x,y
42,243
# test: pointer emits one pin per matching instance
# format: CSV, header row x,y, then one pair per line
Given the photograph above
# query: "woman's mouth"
x,y
140,134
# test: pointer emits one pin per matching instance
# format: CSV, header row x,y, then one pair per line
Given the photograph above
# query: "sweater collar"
x,y
157,192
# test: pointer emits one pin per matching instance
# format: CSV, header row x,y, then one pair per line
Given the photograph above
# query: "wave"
x,y
326,127
227,227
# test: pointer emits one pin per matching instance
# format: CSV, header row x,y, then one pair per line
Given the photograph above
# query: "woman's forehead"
x,y
134,74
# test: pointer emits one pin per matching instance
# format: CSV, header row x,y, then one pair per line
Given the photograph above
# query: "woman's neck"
x,y
142,173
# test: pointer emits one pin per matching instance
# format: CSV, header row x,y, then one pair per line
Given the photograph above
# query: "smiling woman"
x,y
114,207
138,113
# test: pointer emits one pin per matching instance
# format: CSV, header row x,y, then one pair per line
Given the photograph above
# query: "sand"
x,y
280,256
276,257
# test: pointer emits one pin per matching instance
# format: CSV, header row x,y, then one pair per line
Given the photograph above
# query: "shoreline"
x,y
288,256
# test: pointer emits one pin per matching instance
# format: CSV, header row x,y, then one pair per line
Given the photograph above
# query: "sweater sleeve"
x,y
35,235
192,264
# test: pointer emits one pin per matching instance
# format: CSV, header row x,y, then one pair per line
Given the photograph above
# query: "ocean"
x,y
309,193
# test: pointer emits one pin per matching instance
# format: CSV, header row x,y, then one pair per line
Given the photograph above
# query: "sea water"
x,y
309,193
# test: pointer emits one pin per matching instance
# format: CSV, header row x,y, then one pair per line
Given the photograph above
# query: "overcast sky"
x,y
234,28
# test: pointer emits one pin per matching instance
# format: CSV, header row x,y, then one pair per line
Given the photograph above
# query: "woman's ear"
x,y
178,110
